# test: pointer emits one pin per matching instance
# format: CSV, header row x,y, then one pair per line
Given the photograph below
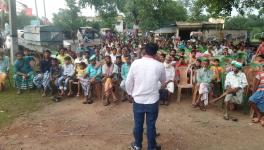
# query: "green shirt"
x,y
124,70
23,65
204,75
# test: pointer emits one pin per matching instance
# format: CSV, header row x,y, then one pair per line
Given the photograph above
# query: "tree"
x,y
68,19
24,20
154,14
3,15
225,7
148,14
252,22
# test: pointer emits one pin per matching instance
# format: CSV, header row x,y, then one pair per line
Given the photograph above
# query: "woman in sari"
x,y
23,72
4,67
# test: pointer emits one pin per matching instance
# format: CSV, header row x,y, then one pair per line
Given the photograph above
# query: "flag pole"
x,y
13,29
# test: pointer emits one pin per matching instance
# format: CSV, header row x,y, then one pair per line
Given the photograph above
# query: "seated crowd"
x,y
216,72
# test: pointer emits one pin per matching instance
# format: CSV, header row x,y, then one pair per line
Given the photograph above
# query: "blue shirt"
x,y
124,70
23,65
92,72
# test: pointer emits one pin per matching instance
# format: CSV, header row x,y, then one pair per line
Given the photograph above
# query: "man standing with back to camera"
x,y
142,84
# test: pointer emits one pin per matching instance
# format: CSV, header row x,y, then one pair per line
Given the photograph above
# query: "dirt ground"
x,y
70,125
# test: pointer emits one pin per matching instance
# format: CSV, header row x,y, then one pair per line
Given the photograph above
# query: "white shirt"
x,y
170,72
78,60
113,58
170,75
108,70
68,70
143,78
236,80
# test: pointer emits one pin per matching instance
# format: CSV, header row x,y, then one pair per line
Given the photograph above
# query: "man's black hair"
x,y
47,51
163,55
19,53
67,58
107,56
118,57
217,60
199,60
83,64
151,49
173,50
207,60
128,56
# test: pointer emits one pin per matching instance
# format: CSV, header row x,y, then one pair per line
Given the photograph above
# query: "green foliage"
x,y
148,14
68,19
24,20
225,7
13,105
252,22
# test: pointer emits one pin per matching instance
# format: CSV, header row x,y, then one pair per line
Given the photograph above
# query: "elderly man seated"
x,y
235,83
204,79
109,73
167,89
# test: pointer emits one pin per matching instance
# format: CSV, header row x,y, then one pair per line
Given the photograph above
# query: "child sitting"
x,y
217,70
80,73
67,74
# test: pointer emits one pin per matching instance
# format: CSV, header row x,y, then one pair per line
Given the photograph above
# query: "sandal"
x,y
194,105
226,117
69,94
202,107
262,121
255,120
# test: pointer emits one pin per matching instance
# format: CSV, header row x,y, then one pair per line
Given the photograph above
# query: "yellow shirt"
x,y
61,58
80,72
217,72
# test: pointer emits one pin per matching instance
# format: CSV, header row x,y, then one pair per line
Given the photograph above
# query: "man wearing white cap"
x,y
235,83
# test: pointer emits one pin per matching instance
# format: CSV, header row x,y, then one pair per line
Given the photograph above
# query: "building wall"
x,y
119,26
234,35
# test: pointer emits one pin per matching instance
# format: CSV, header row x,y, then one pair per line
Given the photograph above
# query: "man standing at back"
x,y
142,84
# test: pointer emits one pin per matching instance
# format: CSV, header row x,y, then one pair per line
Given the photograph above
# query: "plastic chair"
x,y
185,82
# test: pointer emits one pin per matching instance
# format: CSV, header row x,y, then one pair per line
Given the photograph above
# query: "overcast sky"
x,y
52,6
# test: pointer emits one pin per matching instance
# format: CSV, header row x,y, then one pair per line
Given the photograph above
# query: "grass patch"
x,y
13,105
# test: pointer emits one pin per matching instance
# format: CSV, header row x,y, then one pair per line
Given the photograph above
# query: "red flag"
x,y
28,11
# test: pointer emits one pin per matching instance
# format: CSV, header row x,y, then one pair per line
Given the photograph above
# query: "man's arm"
x,y
227,81
163,76
244,81
130,82
123,72
72,70
198,76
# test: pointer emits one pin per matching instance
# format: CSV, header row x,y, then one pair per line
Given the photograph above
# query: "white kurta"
x,y
170,75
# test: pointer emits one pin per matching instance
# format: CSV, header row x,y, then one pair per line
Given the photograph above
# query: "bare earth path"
x,y
70,125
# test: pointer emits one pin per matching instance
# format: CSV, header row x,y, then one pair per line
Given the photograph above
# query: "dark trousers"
x,y
151,112
164,95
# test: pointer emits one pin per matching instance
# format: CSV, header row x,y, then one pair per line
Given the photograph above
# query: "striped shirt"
x,y
260,77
